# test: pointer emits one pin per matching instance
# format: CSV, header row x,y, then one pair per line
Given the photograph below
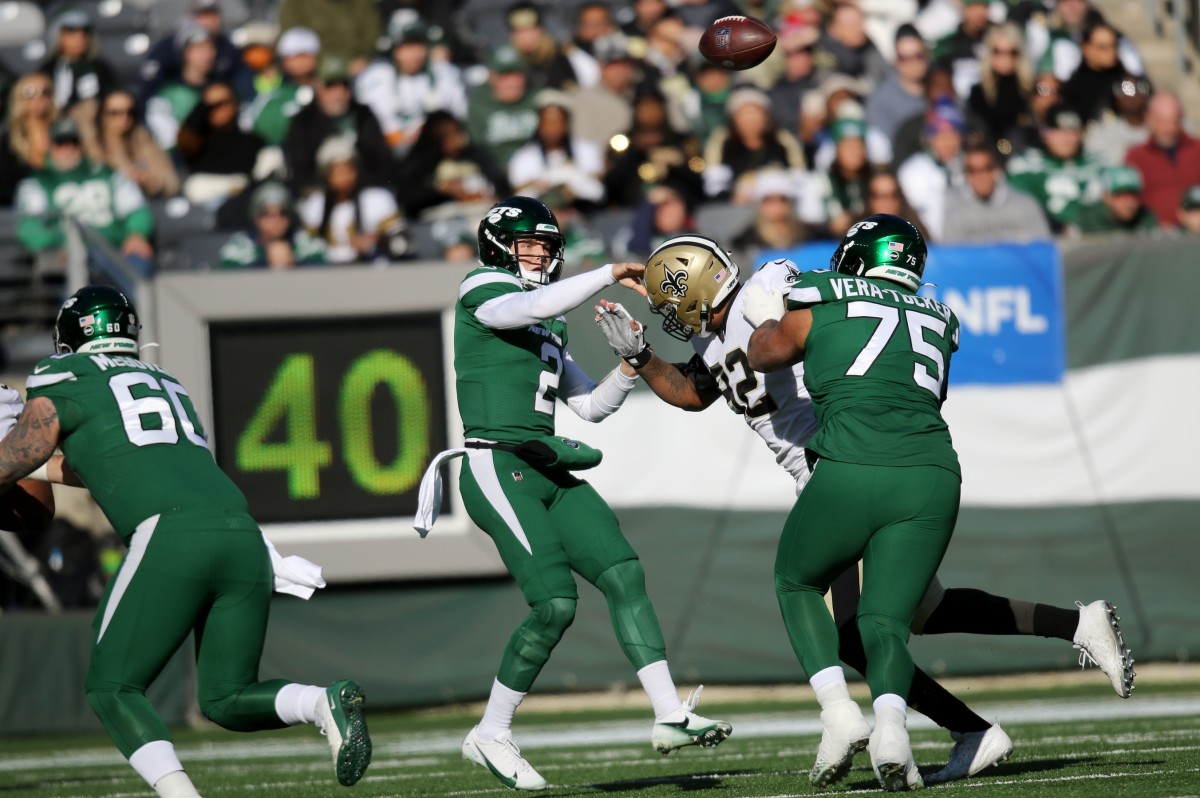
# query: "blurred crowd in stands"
x,y
352,131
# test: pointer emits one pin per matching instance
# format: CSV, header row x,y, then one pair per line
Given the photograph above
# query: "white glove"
x,y
619,328
11,406
761,304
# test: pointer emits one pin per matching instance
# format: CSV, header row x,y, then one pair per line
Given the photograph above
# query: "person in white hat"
x,y
405,88
270,115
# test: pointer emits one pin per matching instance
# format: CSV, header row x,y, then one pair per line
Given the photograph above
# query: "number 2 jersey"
x,y
507,379
775,405
131,432
875,364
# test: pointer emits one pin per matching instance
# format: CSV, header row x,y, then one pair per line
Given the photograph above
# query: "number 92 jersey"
x,y
129,429
775,405
875,364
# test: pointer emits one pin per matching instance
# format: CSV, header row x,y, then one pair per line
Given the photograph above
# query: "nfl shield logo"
x,y
518,476
722,39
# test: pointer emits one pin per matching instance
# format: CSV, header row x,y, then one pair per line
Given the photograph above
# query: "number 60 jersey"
x,y
129,429
775,405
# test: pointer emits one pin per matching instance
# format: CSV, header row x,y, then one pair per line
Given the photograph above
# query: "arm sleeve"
x,y
521,308
38,227
593,401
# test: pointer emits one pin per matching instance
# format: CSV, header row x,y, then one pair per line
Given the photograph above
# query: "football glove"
x,y
625,335
761,304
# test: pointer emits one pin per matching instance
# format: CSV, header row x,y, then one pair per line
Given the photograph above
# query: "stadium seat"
x,y
422,243
197,252
106,15
23,58
722,220
20,22
124,51
609,224
176,219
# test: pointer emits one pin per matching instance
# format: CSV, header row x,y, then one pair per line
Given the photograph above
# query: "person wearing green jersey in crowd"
x,y
1121,209
1060,176
270,114
275,240
885,479
197,561
93,194
512,366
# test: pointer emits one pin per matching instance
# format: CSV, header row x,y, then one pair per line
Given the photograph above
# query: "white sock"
x,y
890,703
297,703
501,706
154,760
660,688
830,686
176,785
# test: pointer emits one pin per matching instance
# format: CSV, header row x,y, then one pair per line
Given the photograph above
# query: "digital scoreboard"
x,y
326,393
327,419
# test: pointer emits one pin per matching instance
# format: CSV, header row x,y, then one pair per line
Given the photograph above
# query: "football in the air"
x,y
737,42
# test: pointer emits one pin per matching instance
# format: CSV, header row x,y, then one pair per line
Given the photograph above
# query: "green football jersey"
x,y
130,430
507,379
875,364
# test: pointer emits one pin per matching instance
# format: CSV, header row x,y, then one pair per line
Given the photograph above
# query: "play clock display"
x,y
324,419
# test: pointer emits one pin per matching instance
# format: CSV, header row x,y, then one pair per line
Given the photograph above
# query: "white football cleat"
x,y
502,757
1098,640
972,752
684,727
340,718
891,753
844,733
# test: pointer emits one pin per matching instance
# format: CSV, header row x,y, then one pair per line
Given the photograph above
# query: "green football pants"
x,y
180,577
898,520
546,524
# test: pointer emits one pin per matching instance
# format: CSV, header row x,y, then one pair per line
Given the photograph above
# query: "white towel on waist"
x,y
430,495
294,575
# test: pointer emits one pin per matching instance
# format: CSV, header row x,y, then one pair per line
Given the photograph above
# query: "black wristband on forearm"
x,y
641,358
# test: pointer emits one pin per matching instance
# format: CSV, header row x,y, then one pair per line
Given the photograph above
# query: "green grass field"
x,y
1075,741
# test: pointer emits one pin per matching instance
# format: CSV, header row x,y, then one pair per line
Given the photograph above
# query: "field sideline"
x,y
1073,738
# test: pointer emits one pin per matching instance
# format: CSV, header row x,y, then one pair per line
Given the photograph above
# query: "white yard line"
x,y
622,733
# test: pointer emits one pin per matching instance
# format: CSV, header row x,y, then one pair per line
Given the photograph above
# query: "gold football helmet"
x,y
687,278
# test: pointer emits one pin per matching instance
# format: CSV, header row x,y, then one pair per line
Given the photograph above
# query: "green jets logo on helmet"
x,y
96,319
521,219
884,246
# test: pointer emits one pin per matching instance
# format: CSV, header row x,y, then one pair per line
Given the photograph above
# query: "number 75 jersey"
x,y
875,364
130,430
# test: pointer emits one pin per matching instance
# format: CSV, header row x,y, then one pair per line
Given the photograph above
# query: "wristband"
x,y
641,358
40,473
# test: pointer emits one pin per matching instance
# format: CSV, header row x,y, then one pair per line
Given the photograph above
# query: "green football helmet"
x,y
96,319
885,246
511,220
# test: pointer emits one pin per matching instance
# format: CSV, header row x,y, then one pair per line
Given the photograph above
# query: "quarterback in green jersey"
x,y
197,562
885,479
512,367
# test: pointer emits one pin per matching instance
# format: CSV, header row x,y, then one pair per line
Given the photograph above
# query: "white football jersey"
x,y
776,405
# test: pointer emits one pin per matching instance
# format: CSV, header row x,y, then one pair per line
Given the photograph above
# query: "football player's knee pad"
x,y
623,581
880,631
545,627
787,584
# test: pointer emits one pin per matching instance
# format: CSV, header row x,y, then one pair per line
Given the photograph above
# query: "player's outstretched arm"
x,y
521,308
31,441
779,344
686,386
